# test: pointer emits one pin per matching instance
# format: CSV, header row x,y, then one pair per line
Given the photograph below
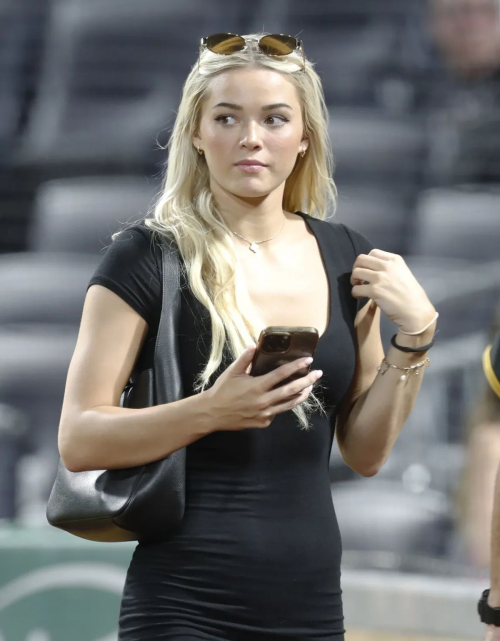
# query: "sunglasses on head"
x,y
275,44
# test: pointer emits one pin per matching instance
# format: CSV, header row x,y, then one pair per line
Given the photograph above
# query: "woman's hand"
x,y
393,287
492,633
238,400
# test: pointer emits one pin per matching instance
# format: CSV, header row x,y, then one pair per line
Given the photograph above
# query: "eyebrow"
x,y
276,105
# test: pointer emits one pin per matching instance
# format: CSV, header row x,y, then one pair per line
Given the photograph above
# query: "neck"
x,y
255,219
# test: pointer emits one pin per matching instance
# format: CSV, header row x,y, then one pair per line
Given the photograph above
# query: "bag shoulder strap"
x,y
167,370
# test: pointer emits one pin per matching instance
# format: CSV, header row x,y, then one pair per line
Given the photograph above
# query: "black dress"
x,y
258,554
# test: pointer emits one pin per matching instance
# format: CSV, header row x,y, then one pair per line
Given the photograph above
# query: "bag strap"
x,y
167,371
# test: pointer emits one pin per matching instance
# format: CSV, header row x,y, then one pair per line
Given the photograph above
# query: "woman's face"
x,y
250,114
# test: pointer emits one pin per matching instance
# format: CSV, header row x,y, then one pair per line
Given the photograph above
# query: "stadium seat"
x,y
42,292
386,517
461,223
20,24
370,147
80,214
111,79
380,214
33,372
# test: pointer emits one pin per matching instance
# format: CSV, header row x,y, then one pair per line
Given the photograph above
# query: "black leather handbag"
x,y
144,502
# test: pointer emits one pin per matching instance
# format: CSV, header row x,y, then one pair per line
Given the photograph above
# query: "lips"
x,y
251,163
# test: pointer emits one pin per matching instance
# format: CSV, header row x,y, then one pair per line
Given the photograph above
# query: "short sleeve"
x,y
361,245
131,269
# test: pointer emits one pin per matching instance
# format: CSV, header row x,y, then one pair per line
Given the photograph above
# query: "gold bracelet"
x,y
385,365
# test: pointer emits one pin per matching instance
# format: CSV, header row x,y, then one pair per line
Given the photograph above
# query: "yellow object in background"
x,y
491,364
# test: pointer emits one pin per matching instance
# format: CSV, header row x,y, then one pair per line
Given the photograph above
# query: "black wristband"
x,y
487,614
424,348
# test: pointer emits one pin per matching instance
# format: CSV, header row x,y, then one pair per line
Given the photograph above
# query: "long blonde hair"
x,y
187,212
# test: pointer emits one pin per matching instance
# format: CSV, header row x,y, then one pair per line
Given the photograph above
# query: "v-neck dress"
x,y
258,553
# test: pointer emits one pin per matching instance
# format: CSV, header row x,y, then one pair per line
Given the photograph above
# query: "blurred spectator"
x,y
482,459
468,36
462,94
446,70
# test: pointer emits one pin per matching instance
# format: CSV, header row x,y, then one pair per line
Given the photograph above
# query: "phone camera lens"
x,y
277,343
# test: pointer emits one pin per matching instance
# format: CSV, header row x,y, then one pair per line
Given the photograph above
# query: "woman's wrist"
x,y
207,422
494,598
404,359
418,340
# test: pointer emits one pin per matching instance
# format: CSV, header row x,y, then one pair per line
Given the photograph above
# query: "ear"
x,y
196,140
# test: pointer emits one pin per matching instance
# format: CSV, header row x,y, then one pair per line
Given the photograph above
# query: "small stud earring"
x,y
200,151
303,153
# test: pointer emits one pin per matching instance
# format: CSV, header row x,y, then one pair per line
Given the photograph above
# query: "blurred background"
x,y
88,95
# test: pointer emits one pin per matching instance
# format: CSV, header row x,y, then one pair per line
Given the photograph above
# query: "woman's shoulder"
x,y
137,235
131,267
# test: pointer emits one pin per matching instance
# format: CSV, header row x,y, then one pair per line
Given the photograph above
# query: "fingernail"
x,y
308,360
319,373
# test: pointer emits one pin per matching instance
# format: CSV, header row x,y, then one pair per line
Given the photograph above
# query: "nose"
x,y
251,138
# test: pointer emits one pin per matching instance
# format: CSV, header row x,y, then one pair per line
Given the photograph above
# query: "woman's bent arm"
x,y
94,431
111,437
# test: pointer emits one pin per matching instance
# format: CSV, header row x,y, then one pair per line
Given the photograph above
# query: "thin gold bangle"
x,y
422,330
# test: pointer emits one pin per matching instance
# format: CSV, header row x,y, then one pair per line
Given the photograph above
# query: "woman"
x,y
258,553
475,495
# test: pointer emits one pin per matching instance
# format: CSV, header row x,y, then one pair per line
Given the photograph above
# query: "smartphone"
x,y
280,344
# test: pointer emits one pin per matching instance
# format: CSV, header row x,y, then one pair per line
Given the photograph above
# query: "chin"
x,y
252,194
249,192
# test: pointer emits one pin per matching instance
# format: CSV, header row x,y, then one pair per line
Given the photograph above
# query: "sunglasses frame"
x,y
203,45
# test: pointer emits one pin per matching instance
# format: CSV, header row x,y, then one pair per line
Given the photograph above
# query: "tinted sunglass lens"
x,y
278,44
225,43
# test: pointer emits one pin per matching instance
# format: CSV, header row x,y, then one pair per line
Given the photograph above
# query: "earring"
x,y
200,151
303,153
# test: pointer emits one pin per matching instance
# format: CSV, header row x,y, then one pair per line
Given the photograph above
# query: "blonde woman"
x,y
257,556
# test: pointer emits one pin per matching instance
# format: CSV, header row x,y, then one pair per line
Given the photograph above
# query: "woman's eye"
x,y
282,119
221,118
277,120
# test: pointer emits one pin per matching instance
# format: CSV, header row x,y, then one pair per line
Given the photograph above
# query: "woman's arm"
x,y
480,472
369,426
376,418
95,432
111,437
492,632
494,596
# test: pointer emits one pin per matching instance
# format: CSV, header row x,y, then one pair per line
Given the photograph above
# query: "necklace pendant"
x,y
254,247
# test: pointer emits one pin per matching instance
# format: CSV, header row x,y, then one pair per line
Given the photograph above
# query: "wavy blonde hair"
x,y
186,211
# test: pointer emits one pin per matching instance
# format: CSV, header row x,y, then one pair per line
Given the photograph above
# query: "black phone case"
x,y
303,342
